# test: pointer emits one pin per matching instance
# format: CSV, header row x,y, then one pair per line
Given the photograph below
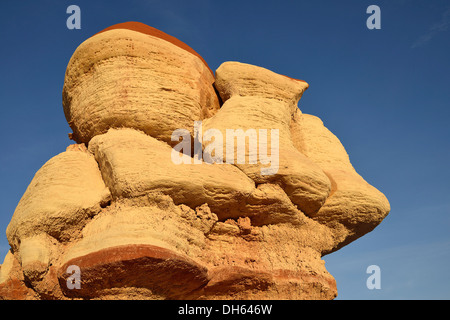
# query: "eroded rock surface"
x,y
137,225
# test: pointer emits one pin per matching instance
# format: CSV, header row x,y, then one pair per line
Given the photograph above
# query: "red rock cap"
x,y
143,28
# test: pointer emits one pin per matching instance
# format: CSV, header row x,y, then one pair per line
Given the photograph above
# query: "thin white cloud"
x,y
441,26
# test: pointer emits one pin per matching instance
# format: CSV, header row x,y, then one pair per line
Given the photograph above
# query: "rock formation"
x,y
136,225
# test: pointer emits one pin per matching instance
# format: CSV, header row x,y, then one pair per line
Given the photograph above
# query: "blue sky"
x,y
384,93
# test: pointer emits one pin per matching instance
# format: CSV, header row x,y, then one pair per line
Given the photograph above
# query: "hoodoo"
x,y
116,214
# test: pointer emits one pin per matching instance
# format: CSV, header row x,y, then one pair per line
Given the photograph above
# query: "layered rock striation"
x,y
134,224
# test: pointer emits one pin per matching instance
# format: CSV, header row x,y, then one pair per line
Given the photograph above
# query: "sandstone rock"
x,y
353,203
134,164
35,255
12,285
63,194
268,262
257,98
137,225
152,220
241,79
134,76
153,237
